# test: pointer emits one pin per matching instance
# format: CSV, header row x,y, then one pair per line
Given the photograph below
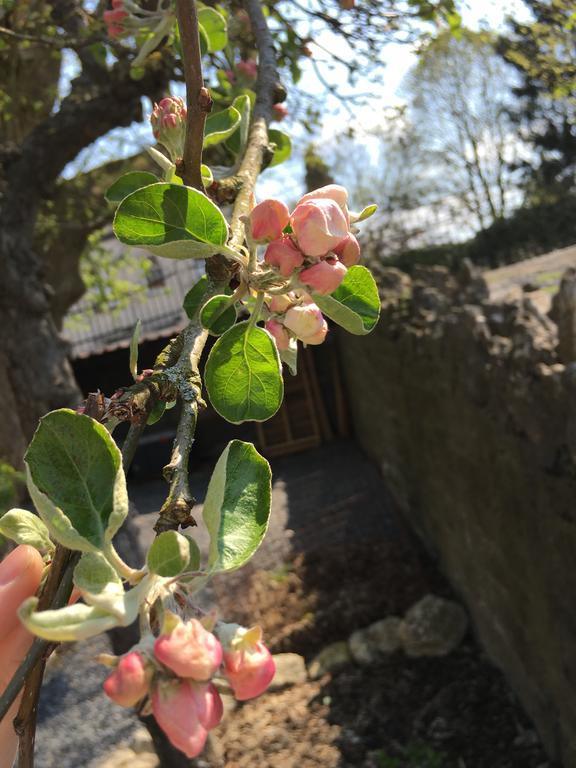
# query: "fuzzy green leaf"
x,y
214,26
355,304
127,184
23,527
172,220
218,315
237,506
283,148
220,126
243,375
76,480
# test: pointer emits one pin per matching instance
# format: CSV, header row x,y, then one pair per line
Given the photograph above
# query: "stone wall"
x,y
466,407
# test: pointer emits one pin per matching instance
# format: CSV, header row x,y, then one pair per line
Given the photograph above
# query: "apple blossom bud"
x,y
347,5
178,706
189,650
348,251
248,68
279,111
334,192
279,304
319,226
304,320
168,120
324,277
129,681
114,20
318,337
210,706
278,333
268,219
284,255
248,664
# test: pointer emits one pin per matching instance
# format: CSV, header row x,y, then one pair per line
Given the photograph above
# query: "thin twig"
x,y
258,139
198,101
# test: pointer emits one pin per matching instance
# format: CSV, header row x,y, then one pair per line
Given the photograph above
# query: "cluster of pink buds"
x,y
168,120
312,248
177,675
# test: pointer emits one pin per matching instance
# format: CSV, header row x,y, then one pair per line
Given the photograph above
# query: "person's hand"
x,y
20,574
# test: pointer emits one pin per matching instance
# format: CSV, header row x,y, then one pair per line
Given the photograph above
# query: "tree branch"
x,y
198,101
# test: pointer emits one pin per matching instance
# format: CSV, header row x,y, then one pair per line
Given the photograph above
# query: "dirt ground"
x,y
451,712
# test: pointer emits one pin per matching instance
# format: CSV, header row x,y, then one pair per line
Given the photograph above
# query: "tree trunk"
x,y
36,375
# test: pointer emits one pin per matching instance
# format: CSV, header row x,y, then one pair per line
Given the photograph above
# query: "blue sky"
x,y
287,179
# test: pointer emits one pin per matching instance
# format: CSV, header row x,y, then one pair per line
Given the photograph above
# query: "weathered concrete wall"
x,y
472,418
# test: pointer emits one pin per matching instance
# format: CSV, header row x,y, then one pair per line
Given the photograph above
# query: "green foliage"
x,y
129,183
218,315
237,506
414,755
213,26
194,298
220,126
23,527
243,375
76,481
355,304
282,146
173,221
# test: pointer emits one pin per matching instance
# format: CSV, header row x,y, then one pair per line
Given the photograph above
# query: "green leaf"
x,y
100,585
80,621
220,126
127,184
365,213
237,506
169,554
156,413
134,341
218,315
243,375
290,356
207,177
76,480
23,527
204,41
95,574
195,296
214,25
355,304
283,148
239,138
75,622
172,220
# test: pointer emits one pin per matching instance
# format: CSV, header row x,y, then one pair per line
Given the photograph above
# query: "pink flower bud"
x,y
189,651
248,664
210,706
114,21
348,251
324,277
248,68
280,111
284,255
330,192
168,120
304,320
319,226
279,304
129,681
318,337
278,333
179,707
268,219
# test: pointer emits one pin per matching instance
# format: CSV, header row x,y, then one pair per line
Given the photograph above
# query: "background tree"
x,y
43,129
543,51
